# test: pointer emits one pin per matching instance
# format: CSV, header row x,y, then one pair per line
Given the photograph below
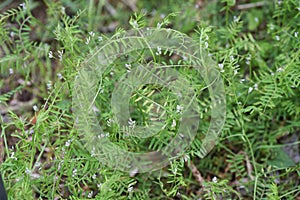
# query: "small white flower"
x,y
67,144
35,108
130,189
60,54
158,25
28,171
173,123
296,34
87,41
242,80
109,122
133,172
128,67
256,19
277,37
23,5
11,71
92,34
158,51
279,2
255,86
59,164
214,179
49,85
13,156
74,173
179,109
135,24
250,90
100,38
50,54
206,45
37,164
186,158
94,176
235,72
131,123
280,69
221,66
60,77
99,185
162,15
235,19
232,58
90,195
12,34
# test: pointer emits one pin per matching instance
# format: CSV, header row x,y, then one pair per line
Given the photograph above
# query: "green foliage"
x,y
257,54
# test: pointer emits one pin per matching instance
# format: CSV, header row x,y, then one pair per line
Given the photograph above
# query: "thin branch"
x,y
250,5
196,173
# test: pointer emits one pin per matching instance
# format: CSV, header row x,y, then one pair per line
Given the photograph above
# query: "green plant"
x,y
256,48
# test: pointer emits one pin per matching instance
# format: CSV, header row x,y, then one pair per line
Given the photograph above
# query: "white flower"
x,y
135,24
173,123
90,195
130,189
68,143
277,37
128,67
158,25
235,19
23,5
179,109
60,77
158,51
296,34
49,85
11,71
131,123
242,80
99,185
221,66
256,19
214,179
60,54
232,58
206,45
35,108
255,86
100,38
50,54
28,171
250,90
186,158
235,72
92,34
94,176
87,41
74,173
13,156
12,34
280,69
109,121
